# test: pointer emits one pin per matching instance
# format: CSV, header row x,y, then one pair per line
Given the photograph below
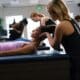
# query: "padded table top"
x,y
32,57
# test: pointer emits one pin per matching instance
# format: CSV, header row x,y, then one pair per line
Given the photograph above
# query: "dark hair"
x,y
24,21
77,17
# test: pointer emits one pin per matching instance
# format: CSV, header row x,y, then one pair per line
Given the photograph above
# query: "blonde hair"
x,y
58,7
34,14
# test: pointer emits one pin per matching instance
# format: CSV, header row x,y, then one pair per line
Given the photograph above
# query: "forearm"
x,y
53,42
42,37
50,39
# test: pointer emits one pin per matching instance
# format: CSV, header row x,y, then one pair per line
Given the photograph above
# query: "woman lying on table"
x,y
17,47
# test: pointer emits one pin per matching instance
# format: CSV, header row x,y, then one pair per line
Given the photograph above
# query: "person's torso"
x,y
71,43
11,45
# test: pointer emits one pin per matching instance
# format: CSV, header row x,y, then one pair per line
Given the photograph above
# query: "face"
x,y
36,18
52,12
53,15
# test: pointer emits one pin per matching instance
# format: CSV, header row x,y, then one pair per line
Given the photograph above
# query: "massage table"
x,y
53,66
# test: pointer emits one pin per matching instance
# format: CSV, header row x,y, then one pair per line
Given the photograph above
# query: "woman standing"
x,y
66,33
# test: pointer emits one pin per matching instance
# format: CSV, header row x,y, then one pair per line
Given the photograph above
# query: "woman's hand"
x,y
46,34
43,35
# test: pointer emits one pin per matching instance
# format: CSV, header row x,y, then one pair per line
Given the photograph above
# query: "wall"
x,y
73,7
26,11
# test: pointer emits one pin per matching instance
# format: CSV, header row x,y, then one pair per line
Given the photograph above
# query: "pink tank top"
x,y
4,46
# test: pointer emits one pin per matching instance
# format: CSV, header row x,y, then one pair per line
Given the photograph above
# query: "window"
x,y
31,26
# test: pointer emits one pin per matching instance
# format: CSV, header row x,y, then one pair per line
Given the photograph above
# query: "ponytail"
x,y
62,7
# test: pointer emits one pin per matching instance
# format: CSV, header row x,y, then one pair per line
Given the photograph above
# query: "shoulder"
x,y
61,27
65,27
61,24
64,24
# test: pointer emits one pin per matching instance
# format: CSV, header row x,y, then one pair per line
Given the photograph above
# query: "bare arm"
x,y
43,21
55,41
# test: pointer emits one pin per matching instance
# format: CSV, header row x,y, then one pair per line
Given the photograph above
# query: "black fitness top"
x,y
71,43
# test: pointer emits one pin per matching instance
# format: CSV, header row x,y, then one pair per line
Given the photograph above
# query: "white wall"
x,y
26,11
73,7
